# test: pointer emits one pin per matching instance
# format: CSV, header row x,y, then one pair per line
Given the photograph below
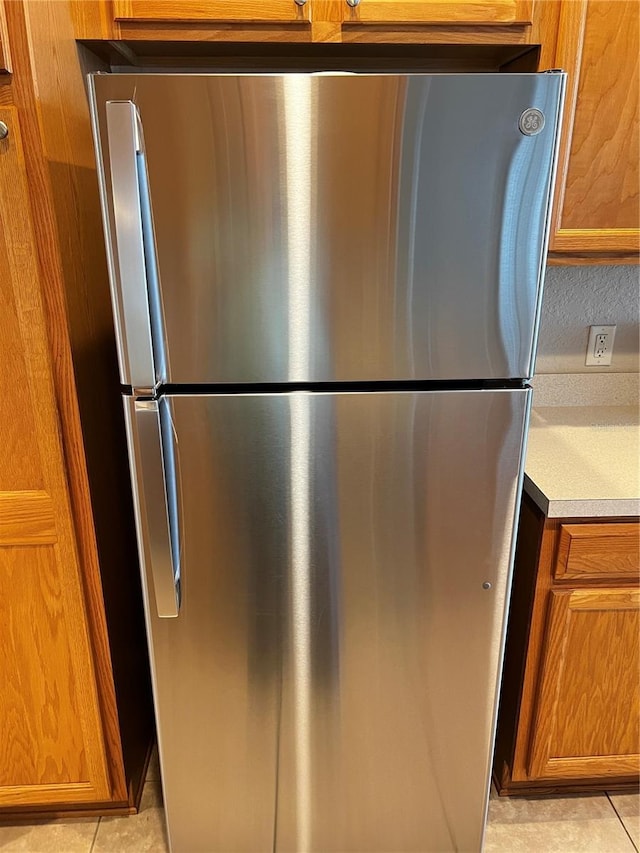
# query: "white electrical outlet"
x,y
600,346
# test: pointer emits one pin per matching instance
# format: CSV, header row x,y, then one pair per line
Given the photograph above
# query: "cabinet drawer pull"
x,y
4,130
353,3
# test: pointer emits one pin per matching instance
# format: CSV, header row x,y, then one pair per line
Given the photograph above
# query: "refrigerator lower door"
x,y
329,684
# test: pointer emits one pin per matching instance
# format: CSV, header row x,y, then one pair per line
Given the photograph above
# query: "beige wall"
x,y
581,296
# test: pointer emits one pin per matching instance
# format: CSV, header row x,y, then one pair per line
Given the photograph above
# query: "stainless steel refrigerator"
x,y
326,293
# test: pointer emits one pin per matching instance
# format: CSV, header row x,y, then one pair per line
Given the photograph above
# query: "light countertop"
x,y
584,461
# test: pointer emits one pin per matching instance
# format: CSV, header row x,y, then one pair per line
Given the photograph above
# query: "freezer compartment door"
x,y
345,563
336,228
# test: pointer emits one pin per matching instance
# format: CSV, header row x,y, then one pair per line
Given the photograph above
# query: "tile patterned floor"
x,y
598,823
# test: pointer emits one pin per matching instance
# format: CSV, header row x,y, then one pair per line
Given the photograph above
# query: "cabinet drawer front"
x,y
598,550
439,12
246,11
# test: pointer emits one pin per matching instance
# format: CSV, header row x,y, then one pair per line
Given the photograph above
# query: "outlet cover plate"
x,y
600,346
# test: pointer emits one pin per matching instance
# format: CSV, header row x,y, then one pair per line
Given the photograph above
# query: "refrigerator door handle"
x,y
130,262
156,474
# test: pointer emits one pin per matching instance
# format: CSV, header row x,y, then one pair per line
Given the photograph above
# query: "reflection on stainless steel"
x,y
297,120
296,104
382,208
300,608
336,652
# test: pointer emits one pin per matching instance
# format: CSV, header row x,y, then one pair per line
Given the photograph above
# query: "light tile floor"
x,y
597,823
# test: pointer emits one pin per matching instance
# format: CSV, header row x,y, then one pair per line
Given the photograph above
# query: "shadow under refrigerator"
x,y
326,292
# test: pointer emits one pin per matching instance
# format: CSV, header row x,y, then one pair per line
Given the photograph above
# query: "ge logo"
x,y
531,122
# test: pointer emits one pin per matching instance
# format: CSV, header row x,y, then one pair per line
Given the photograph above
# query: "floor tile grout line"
x,y
624,826
95,835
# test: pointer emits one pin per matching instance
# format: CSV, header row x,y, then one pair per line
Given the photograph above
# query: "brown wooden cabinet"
x,y
75,712
597,203
570,705
52,747
391,21
254,11
503,12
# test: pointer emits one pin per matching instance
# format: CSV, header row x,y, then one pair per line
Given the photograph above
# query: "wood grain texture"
x,y
569,39
587,719
42,743
534,647
592,550
77,301
253,11
90,615
215,32
438,12
602,186
597,199
26,518
373,21
93,19
611,241
402,33
49,711
563,259
5,53
544,31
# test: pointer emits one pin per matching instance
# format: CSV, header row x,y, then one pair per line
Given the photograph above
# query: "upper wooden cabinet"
x,y
254,11
438,12
597,204
392,21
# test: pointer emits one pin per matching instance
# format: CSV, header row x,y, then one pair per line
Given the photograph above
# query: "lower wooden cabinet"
x,y
52,745
570,705
586,718
76,724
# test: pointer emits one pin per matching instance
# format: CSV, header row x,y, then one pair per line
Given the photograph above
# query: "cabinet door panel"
x,y
439,12
597,199
588,710
247,11
51,748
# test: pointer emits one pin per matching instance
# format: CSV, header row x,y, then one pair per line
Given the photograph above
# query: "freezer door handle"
x,y
157,483
130,287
